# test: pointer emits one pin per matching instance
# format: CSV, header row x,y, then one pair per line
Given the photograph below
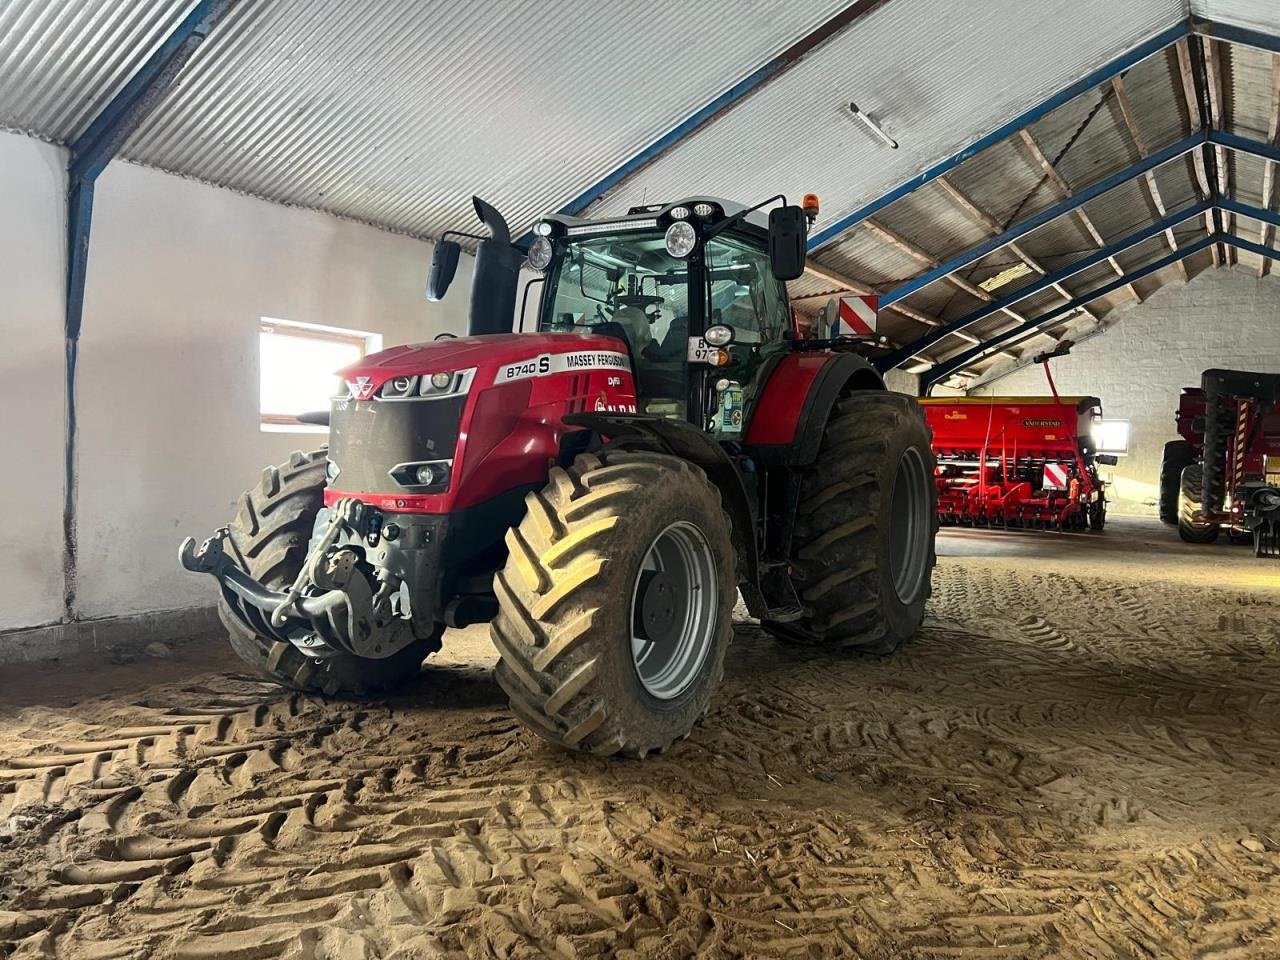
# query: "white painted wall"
x,y
1222,318
179,274
32,237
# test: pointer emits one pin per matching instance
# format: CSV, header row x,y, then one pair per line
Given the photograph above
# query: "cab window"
x,y
631,284
743,294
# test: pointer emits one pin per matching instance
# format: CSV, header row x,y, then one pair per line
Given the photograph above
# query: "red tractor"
x,y
1224,474
600,490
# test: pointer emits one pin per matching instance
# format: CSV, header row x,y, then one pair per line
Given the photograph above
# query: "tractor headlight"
x,y
447,383
719,335
397,388
679,213
542,228
704,211
540,254
431,473
681,239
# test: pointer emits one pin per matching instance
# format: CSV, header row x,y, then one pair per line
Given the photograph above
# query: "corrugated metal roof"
x,y
396,111
61,61
921,69
1261,15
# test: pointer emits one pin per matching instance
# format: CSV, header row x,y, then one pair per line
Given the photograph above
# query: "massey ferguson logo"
x,y
361,388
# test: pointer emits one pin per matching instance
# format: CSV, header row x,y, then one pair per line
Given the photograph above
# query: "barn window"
x,y
298,364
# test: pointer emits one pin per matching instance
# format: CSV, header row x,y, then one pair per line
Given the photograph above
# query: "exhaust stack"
x,y
496,277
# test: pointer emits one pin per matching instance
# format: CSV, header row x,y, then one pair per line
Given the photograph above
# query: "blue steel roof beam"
x,y
783,62
90,152
1233,141
1065,206
842,225
1230,33
102,139
947,367
1241,243
1232,205
1140,144
1269,167
1092,260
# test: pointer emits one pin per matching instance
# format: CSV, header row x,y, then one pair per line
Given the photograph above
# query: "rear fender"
x,y
682,440
788,419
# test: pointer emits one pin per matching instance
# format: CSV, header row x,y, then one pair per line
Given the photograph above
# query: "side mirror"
x,y
788,236
444,264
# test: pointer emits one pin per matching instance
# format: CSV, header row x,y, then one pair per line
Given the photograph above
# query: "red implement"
x,y
1016,461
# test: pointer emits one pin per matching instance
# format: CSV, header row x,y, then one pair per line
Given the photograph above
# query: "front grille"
x,y
369,438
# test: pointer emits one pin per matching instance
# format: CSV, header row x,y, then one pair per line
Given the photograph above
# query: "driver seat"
x,y
636,325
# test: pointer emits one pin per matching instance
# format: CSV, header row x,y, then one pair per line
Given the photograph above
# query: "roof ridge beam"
x,y
1045,216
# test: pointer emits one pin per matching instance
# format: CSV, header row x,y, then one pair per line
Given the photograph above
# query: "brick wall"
x,y
1222,318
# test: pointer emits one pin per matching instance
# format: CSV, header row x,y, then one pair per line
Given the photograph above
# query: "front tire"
x,y
1191,488
1177,456
269,535
615,604
863,550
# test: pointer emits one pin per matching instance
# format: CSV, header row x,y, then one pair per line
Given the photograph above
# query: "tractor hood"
x,y
497,358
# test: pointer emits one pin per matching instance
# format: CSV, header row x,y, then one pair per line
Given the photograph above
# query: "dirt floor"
x,y
1076,758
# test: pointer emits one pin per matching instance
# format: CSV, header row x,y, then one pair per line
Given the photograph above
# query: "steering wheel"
x,y
639,300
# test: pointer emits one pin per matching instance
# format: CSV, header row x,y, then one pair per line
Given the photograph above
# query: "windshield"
x,y
633,282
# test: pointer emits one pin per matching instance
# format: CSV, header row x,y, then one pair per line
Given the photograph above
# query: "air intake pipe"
x,y
496,277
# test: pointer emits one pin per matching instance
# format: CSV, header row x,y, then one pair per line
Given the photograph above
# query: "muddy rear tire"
x,y
606,645
1191,488
269,537
863,551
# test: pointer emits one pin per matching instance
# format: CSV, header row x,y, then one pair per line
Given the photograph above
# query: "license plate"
x,y
701,352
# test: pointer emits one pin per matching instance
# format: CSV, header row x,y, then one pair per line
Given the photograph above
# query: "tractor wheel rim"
x,y
909,527
673,610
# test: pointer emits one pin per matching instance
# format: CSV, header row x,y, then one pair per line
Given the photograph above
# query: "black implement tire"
x,y
1178,455
269,536
574,573
852,531
1189,493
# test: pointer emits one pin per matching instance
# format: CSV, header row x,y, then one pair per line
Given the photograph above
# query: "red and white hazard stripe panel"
x,y
856,317
1055,476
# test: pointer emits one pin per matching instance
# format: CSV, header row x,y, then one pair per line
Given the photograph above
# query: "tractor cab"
x,y
691,289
